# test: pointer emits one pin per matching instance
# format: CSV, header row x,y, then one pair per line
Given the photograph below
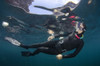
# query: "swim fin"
x,y
13,41
26,53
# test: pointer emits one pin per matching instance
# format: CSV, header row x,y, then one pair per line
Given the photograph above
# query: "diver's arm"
x,y
53,36
75,52
60,35
63,35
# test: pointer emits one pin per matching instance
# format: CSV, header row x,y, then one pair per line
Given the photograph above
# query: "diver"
x,y
56,47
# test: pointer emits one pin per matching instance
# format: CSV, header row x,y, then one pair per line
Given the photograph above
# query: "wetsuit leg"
x,y
44,8
46,44
52,51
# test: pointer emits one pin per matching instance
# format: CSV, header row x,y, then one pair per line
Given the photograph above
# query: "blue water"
x,y
89,56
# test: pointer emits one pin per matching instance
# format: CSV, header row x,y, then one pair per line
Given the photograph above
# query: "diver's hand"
x,y
50,38
59,56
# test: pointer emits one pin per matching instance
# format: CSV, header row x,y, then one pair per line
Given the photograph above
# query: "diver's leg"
x,y
45,44
43,8
46,50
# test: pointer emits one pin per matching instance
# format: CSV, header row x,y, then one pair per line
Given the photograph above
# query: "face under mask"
x,y
78,26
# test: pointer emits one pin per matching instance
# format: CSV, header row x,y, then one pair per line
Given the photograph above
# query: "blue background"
x,y
89,56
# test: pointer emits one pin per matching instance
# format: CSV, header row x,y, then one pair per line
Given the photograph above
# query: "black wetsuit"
x,y
57,47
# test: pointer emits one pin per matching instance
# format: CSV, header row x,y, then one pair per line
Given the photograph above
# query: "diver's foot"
x,y
26,53
13,41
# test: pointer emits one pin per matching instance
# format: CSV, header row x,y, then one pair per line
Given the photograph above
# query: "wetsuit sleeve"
x,y
75,52
62,35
